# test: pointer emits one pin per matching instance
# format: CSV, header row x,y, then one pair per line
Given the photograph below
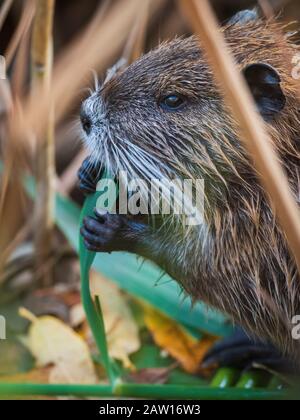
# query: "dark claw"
x,y
239,356
104,233
86,188
89,237
90,247
101,217
88,176
243,353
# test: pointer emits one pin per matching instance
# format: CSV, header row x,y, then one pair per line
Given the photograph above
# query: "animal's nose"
x,y
85,121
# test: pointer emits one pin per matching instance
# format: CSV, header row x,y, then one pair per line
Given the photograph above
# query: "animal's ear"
x,y
264,83
244,16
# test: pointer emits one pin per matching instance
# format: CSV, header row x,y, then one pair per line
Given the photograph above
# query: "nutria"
x,y
165,114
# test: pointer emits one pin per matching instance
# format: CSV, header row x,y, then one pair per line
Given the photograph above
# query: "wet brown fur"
x,y
238,261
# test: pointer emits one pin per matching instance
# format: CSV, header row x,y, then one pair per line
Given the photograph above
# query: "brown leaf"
x,y
152,375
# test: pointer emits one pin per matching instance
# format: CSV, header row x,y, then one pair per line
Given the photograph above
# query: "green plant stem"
x,y
253,379
141,391
93,312
276,383
224,378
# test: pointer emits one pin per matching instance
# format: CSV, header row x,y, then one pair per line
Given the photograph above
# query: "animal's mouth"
x,y
124,195
86,121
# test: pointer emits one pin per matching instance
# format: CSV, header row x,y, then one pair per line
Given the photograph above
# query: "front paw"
x,y
244,353
88,177
104,233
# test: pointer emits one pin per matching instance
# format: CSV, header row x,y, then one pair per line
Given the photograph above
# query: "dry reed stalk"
x,y
42,59
6,106
10,193
95,49
68,178
12,200
20,32
18,238
173,25
20,68
71,73
5,8
135,45
6,102
243,109
266,8
280,4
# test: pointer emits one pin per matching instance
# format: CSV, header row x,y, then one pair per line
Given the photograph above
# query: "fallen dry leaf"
x,y
120,326
54,343
170,336
77,315
152,375
36,376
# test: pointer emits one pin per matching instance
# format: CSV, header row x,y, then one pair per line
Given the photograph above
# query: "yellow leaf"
x,y
170,336
77,315
53,343
37,376
120,326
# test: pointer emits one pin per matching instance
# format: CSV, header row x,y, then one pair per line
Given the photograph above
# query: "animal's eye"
x,y
172,102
